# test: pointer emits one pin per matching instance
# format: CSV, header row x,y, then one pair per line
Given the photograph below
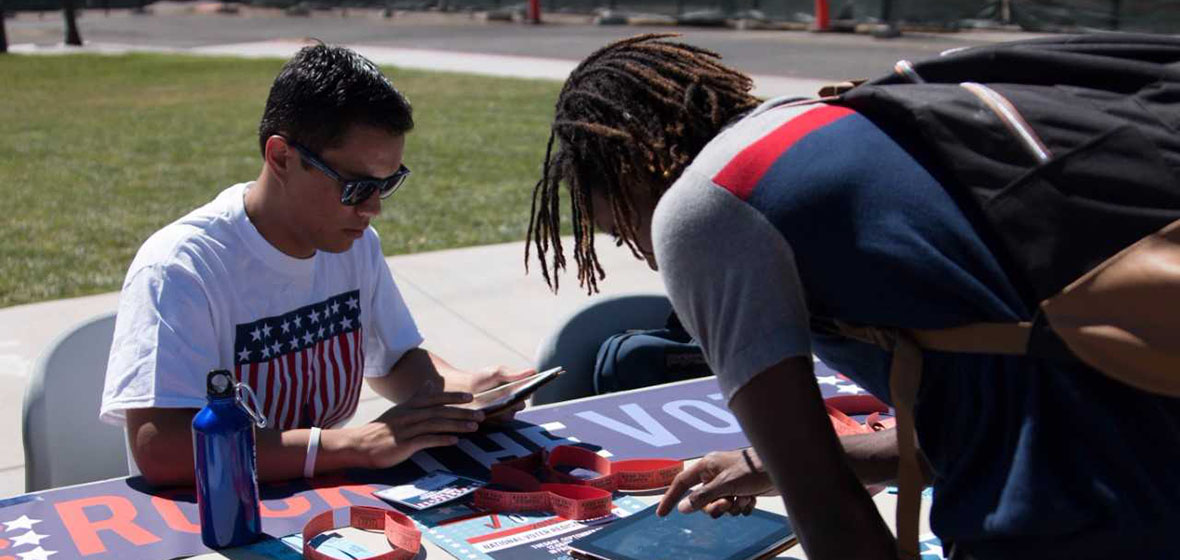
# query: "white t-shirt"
x,y
209,292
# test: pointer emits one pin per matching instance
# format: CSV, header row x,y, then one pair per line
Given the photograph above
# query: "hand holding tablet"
x,y
499,398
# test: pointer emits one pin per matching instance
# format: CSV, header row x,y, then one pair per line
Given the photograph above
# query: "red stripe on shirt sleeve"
x,y
745,170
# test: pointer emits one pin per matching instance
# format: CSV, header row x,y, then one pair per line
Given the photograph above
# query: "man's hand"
x,y
419,372
424,421
492,377
729,483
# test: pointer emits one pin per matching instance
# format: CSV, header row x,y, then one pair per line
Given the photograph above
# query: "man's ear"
x,y
279,157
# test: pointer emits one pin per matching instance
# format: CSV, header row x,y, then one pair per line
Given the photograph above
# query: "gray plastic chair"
x,y
574,345
65,443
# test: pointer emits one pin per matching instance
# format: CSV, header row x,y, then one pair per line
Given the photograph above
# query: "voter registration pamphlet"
x,y
470,534
436,488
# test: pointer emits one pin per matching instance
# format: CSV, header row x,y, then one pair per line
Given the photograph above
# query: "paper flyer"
x,y
436,488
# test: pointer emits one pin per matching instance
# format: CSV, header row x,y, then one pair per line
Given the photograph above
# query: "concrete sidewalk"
x,y
499,65
487,64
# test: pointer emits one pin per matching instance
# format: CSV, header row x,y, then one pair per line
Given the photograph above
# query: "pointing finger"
x,y
682,483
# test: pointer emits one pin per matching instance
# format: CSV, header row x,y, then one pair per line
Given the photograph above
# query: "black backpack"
x,y
645,358
1064,153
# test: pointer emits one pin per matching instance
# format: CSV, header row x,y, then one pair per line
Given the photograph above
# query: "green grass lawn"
x,y
98,152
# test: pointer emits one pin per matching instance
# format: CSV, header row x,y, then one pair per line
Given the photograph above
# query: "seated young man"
x,y
282,281
758,219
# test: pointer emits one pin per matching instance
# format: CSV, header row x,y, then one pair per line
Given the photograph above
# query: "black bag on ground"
x,y
642,358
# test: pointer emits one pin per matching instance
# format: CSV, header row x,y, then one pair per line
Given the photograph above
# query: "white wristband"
x,y
313,448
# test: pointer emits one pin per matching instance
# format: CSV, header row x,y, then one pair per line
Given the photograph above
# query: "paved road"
x,y
780,53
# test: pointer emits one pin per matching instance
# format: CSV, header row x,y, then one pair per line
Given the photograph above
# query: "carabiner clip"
x,y
240,391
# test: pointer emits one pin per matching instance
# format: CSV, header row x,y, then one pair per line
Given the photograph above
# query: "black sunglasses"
x,y
355,191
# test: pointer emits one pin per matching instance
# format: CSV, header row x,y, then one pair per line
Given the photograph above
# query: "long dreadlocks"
x,y
630,117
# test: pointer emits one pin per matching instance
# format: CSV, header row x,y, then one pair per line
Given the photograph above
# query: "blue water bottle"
x,y
227,477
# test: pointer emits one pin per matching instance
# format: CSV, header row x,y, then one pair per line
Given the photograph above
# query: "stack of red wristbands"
x,y
534,483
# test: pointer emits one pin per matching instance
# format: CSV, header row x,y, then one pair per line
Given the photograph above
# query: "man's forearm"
x,y
281,455
782,413
873,457
162,445
416,368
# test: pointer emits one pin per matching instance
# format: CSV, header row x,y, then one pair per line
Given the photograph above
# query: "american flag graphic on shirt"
x,y
306,365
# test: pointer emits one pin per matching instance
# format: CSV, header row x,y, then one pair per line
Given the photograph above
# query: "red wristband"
x,y
516,484
629,474
399,531
853,405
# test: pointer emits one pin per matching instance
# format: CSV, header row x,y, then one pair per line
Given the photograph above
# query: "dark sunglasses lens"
x,y
356,192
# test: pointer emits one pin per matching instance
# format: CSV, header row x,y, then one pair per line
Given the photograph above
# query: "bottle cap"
x,y
220,383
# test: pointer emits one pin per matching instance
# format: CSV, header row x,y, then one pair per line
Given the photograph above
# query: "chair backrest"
x,y
575,343
64,441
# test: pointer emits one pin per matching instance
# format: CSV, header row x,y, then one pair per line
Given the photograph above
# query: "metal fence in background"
x,y
1154,16
55,5
926,11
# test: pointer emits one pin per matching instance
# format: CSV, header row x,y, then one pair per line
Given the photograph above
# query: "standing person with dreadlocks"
x,y
762,216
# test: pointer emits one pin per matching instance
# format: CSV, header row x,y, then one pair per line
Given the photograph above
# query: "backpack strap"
x,y
978,338
905,376
837,89
1115,319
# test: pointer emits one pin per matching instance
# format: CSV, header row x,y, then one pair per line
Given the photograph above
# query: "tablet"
x,y
497,399
645,536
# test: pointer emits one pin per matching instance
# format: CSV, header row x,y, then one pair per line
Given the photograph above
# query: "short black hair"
x,y
322,91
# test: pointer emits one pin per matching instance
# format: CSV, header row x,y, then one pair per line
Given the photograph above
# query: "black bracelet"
x,y
749,461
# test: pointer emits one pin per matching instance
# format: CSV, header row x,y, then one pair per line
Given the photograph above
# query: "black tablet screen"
x,y
644,536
